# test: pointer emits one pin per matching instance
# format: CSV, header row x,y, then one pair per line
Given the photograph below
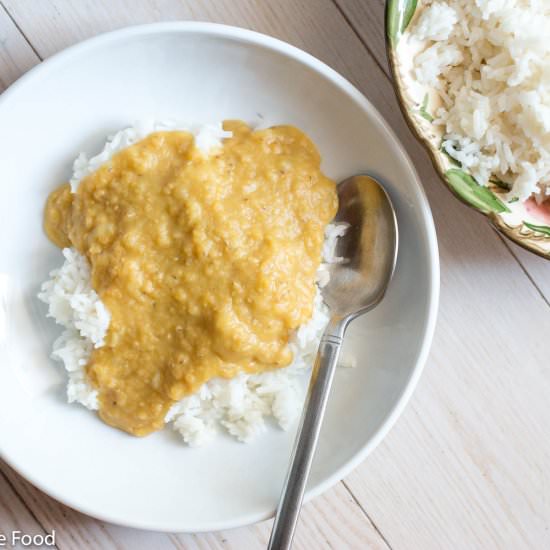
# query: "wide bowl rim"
x,y
511,233
427,227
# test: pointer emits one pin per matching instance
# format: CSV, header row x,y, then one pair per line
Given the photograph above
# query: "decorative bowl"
x,y
523,222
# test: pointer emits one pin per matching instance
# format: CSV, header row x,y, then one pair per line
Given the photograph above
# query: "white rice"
x,y
489,61
240,405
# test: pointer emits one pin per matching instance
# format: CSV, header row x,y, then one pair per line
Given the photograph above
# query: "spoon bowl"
x,y
368,249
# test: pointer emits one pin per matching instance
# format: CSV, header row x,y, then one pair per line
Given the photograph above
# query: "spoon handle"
x,y
306,443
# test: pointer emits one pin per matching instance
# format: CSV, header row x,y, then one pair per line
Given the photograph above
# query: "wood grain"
x,y
538,269
16,56
466,466
14,515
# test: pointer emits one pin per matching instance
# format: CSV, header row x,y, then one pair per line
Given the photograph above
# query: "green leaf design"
x,y
398,16
423,112
478,196
502,184
409,7
452,160
515,199
544,229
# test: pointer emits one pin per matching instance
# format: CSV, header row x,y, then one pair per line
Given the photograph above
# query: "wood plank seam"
x,y
24,503
360,38
385,71
371,521
20,30
527,274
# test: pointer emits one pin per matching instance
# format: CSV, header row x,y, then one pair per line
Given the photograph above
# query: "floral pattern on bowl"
x,y
525,223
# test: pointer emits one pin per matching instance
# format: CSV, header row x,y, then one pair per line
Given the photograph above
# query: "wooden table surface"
x,y
467,465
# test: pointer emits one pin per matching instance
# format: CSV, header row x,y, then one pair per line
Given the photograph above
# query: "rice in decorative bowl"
x,y
473,82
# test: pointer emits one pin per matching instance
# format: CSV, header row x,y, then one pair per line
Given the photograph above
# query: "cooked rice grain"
x,y
489,60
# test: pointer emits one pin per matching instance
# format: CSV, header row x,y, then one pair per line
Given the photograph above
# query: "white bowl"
x,y
192,72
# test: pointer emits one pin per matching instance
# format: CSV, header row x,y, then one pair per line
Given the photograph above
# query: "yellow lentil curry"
x,y
206,263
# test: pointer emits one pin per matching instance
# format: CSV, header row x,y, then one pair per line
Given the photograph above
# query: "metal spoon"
x,y
357,284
